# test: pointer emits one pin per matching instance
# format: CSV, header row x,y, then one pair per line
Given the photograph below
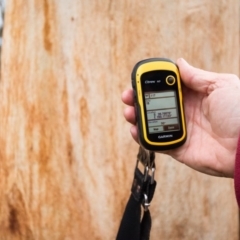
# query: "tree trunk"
x,y
66,155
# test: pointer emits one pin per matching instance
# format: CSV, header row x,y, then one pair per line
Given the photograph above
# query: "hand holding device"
x,y
212,111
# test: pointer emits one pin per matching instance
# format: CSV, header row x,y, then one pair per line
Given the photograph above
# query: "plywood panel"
x,y
66,155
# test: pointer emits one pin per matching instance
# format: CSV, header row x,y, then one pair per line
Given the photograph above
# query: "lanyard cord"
x,y
132,226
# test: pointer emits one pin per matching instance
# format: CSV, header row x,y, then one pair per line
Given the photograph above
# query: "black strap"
x,y
146,225
130,224
132,227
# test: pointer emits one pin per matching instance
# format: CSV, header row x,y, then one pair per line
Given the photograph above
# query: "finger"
x,y
129,114
127,97
134,133
195,78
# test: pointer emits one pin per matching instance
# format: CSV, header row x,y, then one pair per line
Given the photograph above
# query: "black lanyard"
x,y
135,225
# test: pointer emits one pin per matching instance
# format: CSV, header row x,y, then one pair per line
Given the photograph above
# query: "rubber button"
x,y
170,80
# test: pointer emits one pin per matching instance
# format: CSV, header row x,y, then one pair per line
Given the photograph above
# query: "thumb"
x,y
195,78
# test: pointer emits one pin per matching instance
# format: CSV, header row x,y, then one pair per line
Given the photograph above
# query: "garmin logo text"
x,y
149,81
165,136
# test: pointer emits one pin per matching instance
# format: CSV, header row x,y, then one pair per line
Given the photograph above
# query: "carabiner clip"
x,y
146,204
143,186
147,158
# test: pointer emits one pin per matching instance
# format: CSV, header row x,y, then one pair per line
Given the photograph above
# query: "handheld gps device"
x,y
159,104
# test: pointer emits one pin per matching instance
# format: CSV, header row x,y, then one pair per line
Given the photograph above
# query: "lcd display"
x,y
162,111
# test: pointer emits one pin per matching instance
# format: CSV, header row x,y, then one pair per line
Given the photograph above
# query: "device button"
x,y
134,95
133,84
170,80
172,127
155,129
136,113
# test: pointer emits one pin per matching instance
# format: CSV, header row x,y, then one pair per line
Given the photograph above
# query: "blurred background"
x,y
66,154
2,10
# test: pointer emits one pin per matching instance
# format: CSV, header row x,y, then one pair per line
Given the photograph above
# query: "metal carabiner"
x,y
146,204
147,158
142,156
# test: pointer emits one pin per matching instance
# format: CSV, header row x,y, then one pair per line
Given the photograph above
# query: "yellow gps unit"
x,y
159,104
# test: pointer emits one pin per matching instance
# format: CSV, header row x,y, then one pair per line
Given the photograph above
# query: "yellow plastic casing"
x,y
148,66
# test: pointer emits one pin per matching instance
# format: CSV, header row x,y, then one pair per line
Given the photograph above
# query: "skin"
x,y
212,111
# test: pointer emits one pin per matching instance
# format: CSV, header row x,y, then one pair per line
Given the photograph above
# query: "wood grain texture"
x,y
66,155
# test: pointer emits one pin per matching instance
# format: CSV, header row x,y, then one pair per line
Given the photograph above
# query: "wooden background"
x,y
66,155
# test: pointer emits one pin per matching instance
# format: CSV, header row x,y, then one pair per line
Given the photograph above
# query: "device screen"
x,y
161,105
162,111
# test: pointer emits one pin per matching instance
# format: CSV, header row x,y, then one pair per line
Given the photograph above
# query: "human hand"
x,y
212,111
